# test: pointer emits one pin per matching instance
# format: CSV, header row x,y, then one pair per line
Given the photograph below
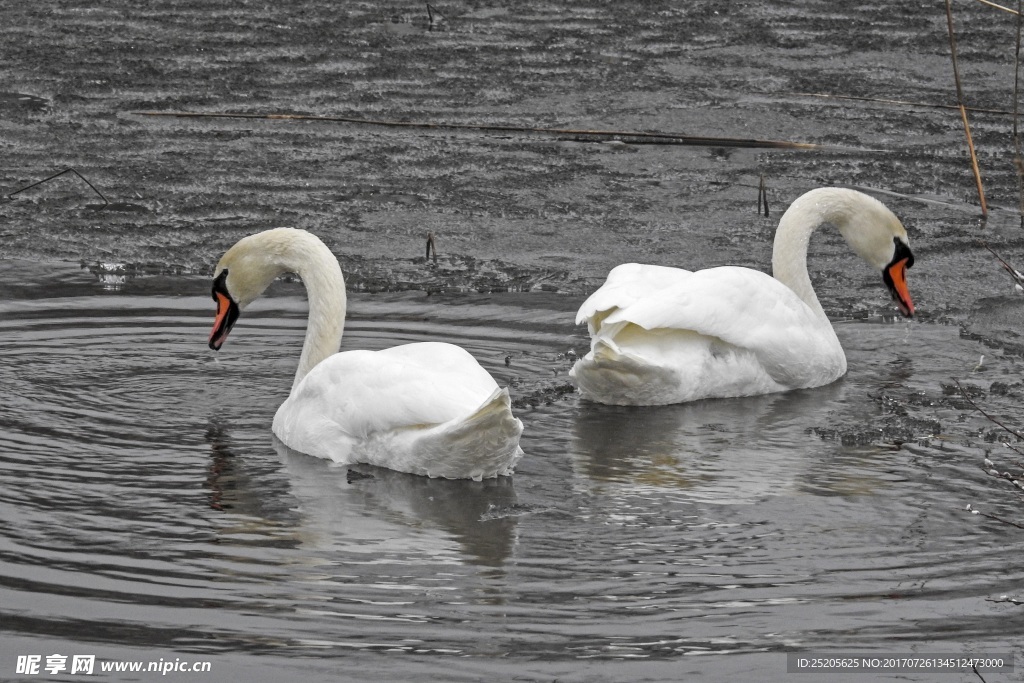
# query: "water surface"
x,y
147,512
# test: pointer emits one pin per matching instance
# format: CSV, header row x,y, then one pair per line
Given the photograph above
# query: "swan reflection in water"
x,y
247,487
361,509
720,451
380,505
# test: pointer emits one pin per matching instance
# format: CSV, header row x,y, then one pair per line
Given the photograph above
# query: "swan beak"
x,y
227,314
895,277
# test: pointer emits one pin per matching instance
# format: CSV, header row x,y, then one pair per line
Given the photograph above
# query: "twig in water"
x,y
963,111
989,468
56,175
431,13
1017,157
990,418
431,247
1000,7
993,517
978,674
1012,447
1017,276
762,197
1007,598
579,135
901,103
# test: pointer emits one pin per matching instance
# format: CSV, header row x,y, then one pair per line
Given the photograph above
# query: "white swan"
x,y
664,335
426,408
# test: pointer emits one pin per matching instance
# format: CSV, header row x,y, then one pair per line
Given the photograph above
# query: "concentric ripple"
x,y
147,512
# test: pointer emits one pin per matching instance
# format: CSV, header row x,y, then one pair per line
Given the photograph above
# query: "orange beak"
x,y
896,281
227,314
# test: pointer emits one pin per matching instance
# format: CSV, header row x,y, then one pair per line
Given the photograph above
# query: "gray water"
x,y
146,512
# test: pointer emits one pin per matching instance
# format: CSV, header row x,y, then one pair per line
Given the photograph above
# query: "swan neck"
x,y
325,289
789,254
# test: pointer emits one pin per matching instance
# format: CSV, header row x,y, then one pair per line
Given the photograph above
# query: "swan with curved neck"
x,y
664,335
425,408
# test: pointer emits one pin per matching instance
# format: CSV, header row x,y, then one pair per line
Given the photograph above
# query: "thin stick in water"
x,y
1018,159
762,197
431,246
1000,7
1017,276
900,103
57,175
433,17
994,518
982,411
579,135
963,111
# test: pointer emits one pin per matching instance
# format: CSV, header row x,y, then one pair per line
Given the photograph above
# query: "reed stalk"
x,y
963,112
581,135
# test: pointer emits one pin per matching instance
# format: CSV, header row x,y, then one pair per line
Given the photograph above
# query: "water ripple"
x,y
145,501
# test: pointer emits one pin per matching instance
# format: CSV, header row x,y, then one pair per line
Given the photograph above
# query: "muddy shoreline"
x,y
511,212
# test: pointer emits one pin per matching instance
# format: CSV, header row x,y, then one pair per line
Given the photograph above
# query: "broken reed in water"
x,y
10,195
963,111
899,103
1018,155
581,135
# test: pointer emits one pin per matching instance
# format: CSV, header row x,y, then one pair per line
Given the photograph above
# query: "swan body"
x,y
427,408
663,335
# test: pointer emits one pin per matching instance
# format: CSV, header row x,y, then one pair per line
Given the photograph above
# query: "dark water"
x,y
147,513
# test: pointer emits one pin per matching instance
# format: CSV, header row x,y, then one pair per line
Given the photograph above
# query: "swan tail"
x,y
490,437
665,366
607,375
481,445
614,374
630,365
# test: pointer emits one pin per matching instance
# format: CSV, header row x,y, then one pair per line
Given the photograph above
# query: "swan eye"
x,y
902,252
220,285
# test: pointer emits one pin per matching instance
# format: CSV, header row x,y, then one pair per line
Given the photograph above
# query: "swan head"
x,y
875,234
242,275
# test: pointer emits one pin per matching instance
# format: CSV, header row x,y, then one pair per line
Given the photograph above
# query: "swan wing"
x,y
740,306
366,392
627,284
725,331
426,409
